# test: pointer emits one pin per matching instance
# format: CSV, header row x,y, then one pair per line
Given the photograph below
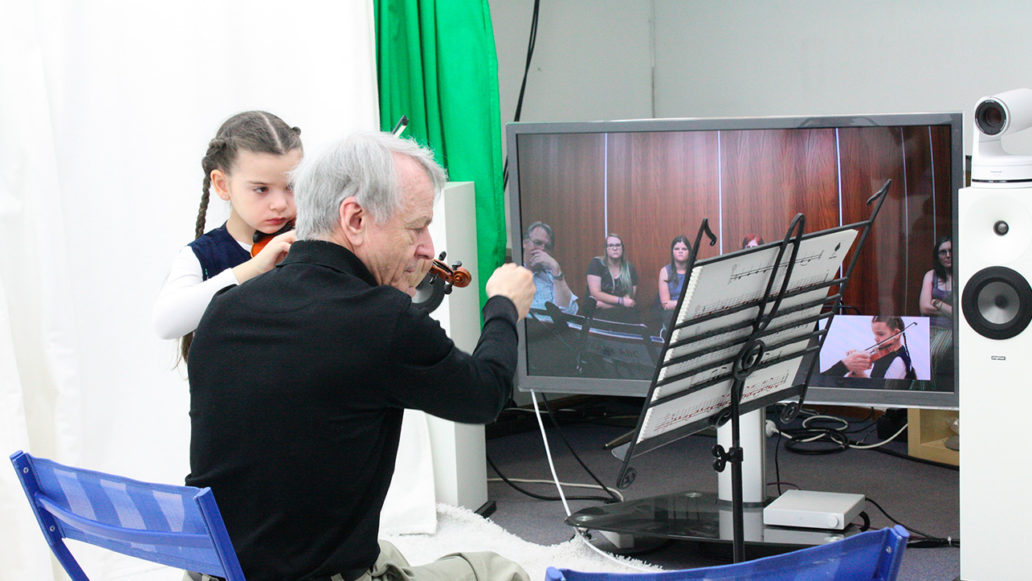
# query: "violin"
x,y
438,282
884,347
261,239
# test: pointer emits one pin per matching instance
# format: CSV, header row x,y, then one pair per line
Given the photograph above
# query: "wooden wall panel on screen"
x,y
562,184
790,171
941,157
660,185
869,156
922,173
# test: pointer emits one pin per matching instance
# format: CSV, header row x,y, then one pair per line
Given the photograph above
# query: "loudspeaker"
x,y
993,258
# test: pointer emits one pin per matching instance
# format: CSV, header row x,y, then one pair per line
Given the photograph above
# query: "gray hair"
x,y
360,166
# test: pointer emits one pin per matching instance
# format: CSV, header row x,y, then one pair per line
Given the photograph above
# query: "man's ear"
x,y
220,181
353,220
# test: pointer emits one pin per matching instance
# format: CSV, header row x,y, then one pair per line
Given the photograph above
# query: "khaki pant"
x,y
391,565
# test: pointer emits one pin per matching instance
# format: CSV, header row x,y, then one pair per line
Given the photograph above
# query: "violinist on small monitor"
x,y
887,358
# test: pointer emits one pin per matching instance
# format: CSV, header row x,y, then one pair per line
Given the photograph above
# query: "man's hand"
x,y
538,259
515,283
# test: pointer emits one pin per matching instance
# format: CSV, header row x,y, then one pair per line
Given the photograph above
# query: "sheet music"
x,y
719,286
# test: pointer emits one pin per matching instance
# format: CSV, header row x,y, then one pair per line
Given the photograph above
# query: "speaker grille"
x,y
997,302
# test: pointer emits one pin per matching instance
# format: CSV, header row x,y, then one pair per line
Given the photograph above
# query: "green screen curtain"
x,y
436,64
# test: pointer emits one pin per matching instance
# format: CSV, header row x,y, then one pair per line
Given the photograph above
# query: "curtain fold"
x,y
436,64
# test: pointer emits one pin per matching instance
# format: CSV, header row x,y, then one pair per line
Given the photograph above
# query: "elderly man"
x,y
549,278
298,378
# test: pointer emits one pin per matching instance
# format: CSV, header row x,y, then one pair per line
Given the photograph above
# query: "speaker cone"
x,y
997,302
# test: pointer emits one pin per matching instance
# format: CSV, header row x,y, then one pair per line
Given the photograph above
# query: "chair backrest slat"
x,y
103,531
179,526
868,556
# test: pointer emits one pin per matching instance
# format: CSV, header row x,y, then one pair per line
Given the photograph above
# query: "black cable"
x,y
559,431
539,496
815,441
925,540
523,84
867,521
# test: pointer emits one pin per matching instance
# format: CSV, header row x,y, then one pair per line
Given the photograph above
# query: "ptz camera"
x,y
995,116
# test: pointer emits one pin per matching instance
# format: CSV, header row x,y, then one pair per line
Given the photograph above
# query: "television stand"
x,y
697,517
705,517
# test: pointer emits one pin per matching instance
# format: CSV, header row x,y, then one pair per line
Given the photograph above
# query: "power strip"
x,y
813,510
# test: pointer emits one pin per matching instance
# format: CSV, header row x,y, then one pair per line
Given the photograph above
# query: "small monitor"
x,y
598,210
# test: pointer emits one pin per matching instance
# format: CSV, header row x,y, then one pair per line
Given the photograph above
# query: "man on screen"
x,y
549,278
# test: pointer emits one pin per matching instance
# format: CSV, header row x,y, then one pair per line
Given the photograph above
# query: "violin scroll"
x,y
453,275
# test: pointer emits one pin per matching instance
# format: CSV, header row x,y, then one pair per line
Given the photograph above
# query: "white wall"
x,y
592,59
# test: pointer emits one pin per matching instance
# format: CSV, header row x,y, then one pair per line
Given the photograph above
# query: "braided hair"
x,y
254,131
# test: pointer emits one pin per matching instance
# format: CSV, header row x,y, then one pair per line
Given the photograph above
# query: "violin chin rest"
x,y
429,293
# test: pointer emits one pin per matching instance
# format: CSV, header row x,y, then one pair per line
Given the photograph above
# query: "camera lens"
x,y
991,117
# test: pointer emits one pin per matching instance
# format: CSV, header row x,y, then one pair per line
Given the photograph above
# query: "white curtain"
x,y
106,108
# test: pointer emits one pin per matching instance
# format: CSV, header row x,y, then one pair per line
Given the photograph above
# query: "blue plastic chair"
x,y
869,556
179,526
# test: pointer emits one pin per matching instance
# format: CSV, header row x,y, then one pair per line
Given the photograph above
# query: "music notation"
x,y
765,270
694,380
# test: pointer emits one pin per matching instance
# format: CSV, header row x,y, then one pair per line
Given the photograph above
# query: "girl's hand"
x,y
274,252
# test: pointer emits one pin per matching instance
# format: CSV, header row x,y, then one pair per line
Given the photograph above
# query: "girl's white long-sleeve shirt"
x,y
186,294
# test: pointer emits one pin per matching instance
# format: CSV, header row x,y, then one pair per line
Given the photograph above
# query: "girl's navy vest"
x,y
217,250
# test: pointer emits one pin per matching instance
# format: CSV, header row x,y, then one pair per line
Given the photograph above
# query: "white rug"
x,y
459,529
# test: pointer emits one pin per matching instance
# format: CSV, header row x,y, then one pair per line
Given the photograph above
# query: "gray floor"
x,y
921,496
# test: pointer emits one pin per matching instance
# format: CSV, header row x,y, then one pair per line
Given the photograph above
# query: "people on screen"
x,y
248,163
549,279
671,279
299,378
936,301
613,282
752,240
887,357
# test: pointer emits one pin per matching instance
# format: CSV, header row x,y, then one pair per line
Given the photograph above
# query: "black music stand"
x,y
745,335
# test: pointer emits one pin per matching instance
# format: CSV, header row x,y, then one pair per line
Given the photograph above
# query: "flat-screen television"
x,y
597,209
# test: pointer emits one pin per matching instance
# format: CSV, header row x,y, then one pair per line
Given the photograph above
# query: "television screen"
x,y
606,212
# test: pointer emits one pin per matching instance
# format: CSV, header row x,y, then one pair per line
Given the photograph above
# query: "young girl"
x,y
248,163
671,279
671,276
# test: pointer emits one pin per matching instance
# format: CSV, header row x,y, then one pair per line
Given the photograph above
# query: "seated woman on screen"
x,y
887,358
613,282
671,279
752,240
937,303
